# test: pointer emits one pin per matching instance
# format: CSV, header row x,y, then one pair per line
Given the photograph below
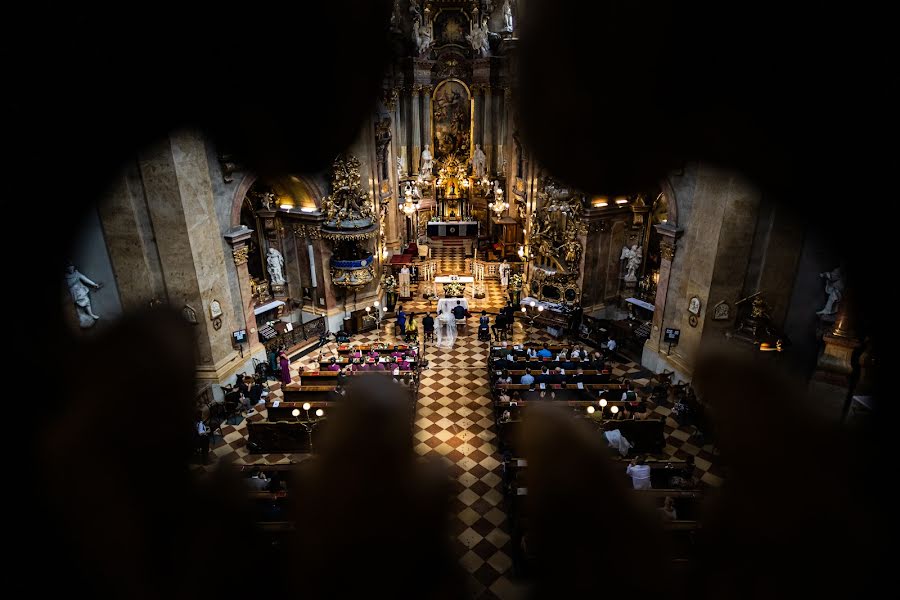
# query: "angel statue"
x,y
423,36
632,256
479,38
834,287
78,287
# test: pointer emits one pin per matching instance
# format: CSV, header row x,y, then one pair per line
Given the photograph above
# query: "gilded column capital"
x,y
667,250
416,89
240,255
428,89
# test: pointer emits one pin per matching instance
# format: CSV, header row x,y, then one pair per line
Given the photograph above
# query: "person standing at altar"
x,y
503,270
404,282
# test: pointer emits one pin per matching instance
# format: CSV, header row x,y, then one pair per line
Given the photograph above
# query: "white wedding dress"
x,y
445,330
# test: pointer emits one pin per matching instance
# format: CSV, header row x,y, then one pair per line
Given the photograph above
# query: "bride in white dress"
x,y
445,332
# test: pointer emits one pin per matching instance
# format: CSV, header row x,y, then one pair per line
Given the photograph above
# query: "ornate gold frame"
x,y
471,111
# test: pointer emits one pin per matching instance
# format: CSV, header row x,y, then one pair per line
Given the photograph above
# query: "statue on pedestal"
x,y
478,37
427,161
479,162
834,287
275,262
423,36
507,17
632,256
399,167
81,295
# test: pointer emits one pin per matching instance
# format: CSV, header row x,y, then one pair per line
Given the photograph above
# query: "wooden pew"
x,y
345,362
294,392
348,348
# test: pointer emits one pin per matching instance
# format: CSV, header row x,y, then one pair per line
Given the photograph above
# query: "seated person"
x,y
569,365
543,377
333,366
545,352
257,394
562,356
503,396
639,473
505,377
258,481
484,326
459,311
577,377
342,337
428,324
667,510
576,353
531,352
412,327
527,378
629,395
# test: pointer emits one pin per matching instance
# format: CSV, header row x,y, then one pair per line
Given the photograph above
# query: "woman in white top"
x,y
576,353
532,353
668,509
640,474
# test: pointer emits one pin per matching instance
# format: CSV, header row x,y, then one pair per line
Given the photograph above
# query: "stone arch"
x,y
666,188
300,187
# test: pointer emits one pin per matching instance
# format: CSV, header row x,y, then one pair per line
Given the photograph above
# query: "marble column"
x,y
478,111
176,179
669,235
426,117
415,141
488,145
503,137
399,135
130,242
238,238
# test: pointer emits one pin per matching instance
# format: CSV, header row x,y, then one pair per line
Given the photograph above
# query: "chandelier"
x,y
499,206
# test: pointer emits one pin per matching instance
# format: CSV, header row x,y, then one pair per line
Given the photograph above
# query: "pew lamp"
x,y
602,404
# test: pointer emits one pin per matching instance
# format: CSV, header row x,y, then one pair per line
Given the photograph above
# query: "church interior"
x,y
598,380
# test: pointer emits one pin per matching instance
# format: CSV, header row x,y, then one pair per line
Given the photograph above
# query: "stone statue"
x,y
267,200
275,262
507,17
399,166
427,161
423,37
834,287
632,256
479,39
78,287
479,162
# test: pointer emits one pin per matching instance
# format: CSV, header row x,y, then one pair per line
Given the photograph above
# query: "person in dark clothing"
x,y
510,315
499,325
428,325
484,326
256,394
459,311
575,318
544,376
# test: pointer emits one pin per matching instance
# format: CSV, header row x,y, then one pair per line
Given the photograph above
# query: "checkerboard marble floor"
x,y
454,421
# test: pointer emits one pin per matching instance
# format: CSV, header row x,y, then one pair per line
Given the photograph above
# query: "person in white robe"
x,y
404,282
503,269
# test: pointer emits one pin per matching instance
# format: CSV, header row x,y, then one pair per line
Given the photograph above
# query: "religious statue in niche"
x,y
834,287
266,200
427,162
632,257
507,17
479,38
423,36
78,288
275,263
479,162
451,121
399,167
